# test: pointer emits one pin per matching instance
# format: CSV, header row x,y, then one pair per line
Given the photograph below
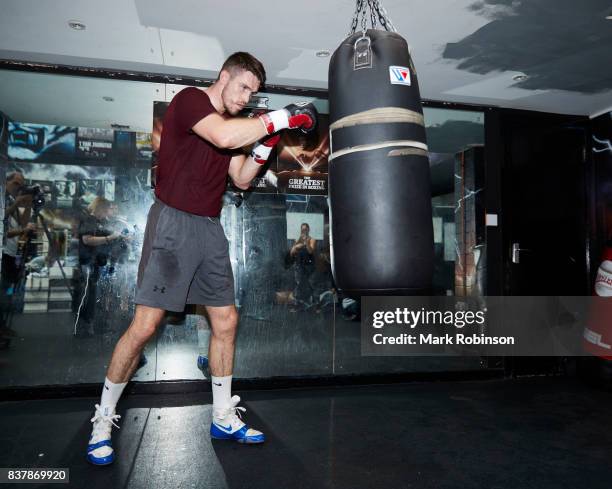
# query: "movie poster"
x,y
144,146
94,143
65,193
70,188
124,146
41,142
65,144
302,160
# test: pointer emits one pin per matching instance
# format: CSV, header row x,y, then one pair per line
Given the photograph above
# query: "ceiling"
x,y
466,51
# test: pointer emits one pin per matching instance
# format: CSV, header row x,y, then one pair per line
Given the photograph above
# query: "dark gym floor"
x,y
282,345
534,432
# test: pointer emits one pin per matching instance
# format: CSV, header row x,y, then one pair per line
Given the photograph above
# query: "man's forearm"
x,y
239,132
14,232
96,240
248,172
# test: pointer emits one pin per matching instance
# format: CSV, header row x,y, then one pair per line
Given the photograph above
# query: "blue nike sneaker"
x,y
100,449
203,364
228,425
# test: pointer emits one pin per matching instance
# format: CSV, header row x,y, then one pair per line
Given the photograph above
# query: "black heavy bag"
x,y
379,179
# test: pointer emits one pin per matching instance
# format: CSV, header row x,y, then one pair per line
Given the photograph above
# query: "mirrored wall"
x,y
77,165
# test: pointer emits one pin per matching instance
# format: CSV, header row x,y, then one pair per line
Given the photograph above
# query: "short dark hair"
x,y
247,62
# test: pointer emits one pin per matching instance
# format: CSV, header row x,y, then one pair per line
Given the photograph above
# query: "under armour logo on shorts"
x,y
159,289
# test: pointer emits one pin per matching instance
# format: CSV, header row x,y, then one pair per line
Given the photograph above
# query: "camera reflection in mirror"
x,y
95,235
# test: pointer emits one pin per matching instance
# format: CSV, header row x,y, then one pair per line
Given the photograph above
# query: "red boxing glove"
x,y
302,115
261,151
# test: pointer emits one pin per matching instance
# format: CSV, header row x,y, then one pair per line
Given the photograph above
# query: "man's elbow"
x,y
221,141
242,185
225,140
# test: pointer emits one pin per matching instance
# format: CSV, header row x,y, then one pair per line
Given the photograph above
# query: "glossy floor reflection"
x,y
45,351
538,432
281,343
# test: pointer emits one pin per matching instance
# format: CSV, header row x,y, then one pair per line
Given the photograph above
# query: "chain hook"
x,y
376,11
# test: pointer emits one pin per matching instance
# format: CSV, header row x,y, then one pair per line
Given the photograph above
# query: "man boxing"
x,y
185,252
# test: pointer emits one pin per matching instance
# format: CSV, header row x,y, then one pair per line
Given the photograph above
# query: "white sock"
x,y
222,392
111,393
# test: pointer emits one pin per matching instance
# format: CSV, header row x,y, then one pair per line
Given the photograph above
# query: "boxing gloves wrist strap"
x,y
275,121
260,153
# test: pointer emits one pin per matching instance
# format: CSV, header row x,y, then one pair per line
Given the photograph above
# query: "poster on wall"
x,y
71,188
65,193
144,146
94,143
124,146
302,166
41,142
66,145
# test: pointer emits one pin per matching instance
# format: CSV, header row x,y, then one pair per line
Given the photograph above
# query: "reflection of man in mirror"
x,y
96,241
185,257
17,211
302,252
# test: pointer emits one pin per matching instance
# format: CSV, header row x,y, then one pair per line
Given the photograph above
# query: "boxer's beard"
x,y
231,109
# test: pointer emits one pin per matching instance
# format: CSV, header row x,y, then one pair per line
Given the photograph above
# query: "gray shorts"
x,y
185,260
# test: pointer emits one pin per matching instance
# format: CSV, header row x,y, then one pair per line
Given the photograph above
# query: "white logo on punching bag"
x,y
399,75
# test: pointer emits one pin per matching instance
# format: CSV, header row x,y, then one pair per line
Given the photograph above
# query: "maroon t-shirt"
x,y
192,173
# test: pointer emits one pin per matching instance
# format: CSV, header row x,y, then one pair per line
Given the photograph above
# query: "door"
x,y
544,211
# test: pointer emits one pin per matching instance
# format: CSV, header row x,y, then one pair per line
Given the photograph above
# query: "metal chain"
x,y
364,24
376,10
383,16
355,22
372,14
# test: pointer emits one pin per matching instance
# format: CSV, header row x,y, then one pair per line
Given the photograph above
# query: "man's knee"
x,y
145,323
224,323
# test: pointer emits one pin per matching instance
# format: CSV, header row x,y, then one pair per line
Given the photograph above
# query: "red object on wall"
x,y
597,338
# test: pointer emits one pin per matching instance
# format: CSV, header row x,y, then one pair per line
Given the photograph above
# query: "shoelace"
x,y
233,410
107,418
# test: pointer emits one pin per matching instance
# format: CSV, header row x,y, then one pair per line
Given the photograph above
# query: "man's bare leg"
x,y
224,324
129,347
123,364
227,425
